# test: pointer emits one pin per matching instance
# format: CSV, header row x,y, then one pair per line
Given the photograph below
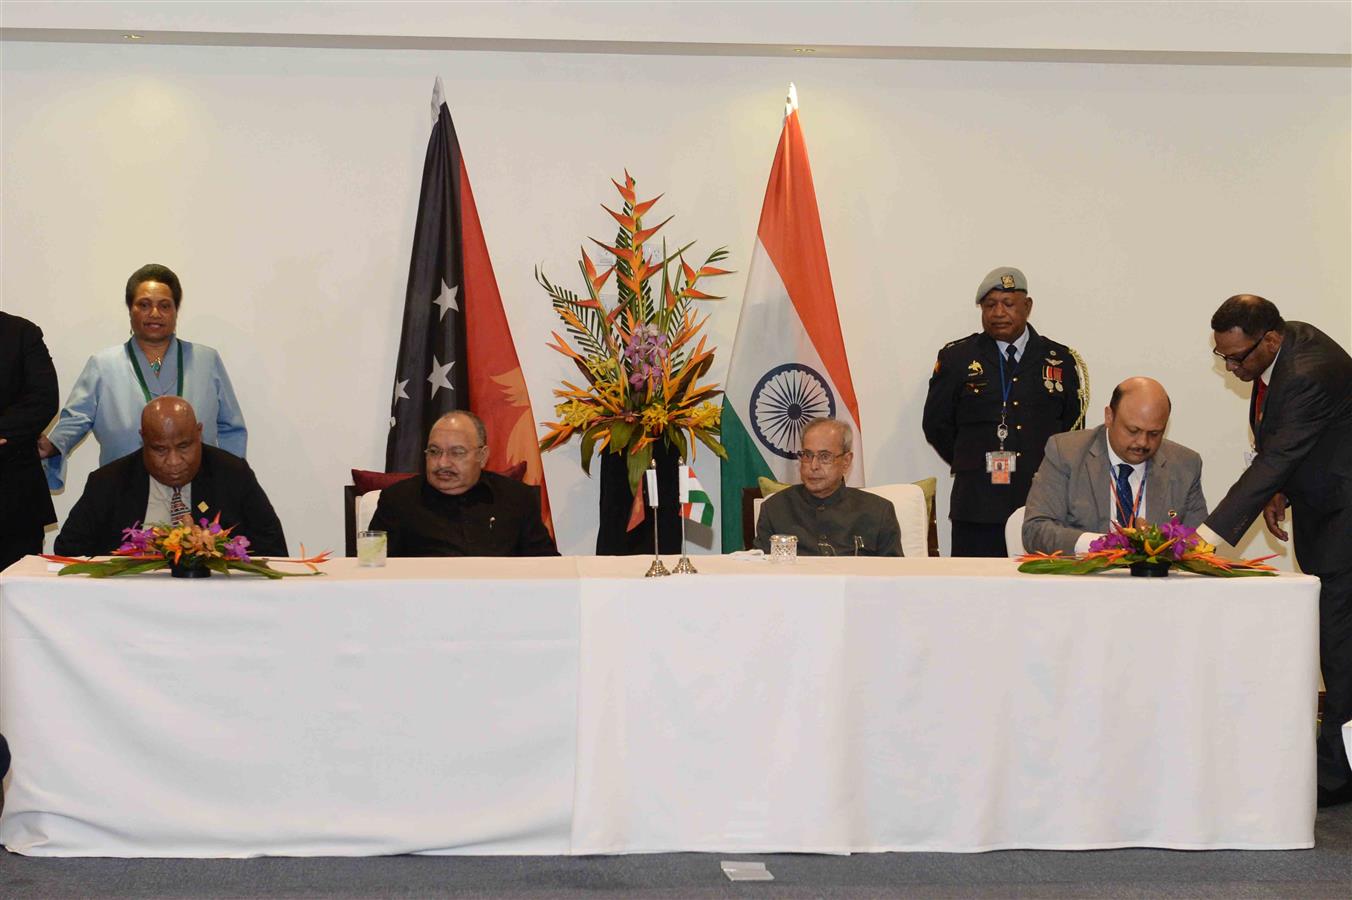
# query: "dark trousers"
x,y
14,547
978,539
1335,664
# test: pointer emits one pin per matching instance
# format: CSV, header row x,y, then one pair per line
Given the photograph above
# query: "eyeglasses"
x,y
454,453
825,457
1238,360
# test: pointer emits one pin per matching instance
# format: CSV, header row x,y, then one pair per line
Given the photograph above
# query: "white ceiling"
x,y
1245,33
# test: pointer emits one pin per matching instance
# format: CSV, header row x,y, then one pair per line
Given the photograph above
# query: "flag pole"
x,y
656,570
684,566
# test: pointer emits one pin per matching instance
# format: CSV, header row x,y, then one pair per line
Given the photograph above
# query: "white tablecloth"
x,y
361,712
569,706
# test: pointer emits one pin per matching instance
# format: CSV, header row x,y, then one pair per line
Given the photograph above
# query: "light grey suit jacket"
x,y
1071,491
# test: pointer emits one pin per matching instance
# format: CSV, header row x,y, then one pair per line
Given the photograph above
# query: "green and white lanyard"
x,y
141,379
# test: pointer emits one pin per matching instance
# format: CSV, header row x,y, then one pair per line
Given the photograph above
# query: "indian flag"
x,y
788,360
695,503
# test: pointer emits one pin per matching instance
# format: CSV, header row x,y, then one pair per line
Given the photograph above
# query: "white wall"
x,y
281,185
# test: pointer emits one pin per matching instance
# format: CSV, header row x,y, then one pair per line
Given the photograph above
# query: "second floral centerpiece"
x,y
1147,549
640,360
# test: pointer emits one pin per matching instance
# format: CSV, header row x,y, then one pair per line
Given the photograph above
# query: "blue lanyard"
x,y
1004,385
1002,430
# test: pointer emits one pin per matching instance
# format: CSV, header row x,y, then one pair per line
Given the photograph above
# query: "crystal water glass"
x,y
783,548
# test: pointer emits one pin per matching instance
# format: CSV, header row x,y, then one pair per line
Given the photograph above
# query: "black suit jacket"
x,y
1304,446
496,517
28,401
115,498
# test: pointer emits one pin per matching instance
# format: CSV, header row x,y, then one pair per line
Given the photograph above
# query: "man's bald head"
x,y
1143,390
1136,418
171,441
167,409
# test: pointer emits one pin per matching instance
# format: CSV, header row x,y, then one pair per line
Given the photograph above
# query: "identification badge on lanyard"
x,y
1000,463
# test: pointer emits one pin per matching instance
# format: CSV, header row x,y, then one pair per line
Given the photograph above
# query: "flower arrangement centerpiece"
x,y
188,549
639,360
1148,549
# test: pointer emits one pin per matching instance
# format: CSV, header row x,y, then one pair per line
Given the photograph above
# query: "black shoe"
x,y
1335,797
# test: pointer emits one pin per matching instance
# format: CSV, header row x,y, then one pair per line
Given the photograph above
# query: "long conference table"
x,y
570,706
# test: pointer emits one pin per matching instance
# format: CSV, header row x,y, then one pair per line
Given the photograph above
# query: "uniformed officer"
x,y
994,399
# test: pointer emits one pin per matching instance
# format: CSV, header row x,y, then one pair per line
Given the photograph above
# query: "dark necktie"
x,y
177,508
1259,396
1010,353
1124,499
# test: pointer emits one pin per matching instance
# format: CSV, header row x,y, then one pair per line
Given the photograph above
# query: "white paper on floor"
x,y
740,870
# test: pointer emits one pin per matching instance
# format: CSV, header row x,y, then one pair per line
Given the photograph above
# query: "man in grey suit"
x,y
1121,471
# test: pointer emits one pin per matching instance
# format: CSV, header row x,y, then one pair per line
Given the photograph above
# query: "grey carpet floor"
x,y
1324,872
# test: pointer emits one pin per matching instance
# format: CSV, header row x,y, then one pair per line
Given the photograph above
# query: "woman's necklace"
x,y
156,361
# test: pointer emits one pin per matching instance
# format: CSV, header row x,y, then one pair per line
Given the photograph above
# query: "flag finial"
x,y
790,102
439,98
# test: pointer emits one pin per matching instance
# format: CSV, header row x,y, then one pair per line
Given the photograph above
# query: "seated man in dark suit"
x,y
1121,471
173,475
456,508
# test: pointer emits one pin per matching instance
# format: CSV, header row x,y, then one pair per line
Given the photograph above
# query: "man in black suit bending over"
x,y
456,508
171,476
1300,411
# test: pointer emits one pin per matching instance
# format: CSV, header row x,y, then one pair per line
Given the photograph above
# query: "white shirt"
x,y
1133,481
161,500
1020,343
1266,377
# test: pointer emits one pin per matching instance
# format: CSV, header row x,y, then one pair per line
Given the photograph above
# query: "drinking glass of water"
x,y
371,548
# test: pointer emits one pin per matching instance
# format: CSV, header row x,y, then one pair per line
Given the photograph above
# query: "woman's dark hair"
x,y
1249,313
154,272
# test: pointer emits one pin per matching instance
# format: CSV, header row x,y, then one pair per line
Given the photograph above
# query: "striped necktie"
x,y
177,508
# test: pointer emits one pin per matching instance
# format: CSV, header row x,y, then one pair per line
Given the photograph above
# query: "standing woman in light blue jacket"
x,y
118,382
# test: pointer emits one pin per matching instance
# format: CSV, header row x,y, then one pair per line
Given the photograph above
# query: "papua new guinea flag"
x,y
455,348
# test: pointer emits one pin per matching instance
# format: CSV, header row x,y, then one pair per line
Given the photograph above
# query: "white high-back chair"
x,y
912,515
1014,533
366,508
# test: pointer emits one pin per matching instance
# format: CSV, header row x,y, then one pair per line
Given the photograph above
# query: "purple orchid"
x,y
645,352
1114,541
1184,538
236,548
136,540
212,527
